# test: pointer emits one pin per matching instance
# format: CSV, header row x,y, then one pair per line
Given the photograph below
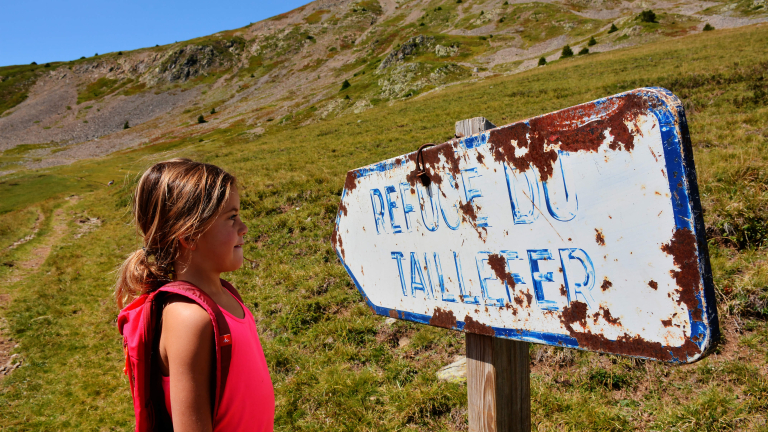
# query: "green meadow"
x,y
334,364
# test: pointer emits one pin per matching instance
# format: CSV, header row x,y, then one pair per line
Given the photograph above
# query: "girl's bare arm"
x,y
186,348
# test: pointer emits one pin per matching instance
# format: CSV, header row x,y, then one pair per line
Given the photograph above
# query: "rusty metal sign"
x,y
581,228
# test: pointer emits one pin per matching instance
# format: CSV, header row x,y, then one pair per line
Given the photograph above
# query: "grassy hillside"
x,y
336,366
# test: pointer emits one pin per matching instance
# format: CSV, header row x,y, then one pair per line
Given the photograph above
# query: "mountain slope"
x,y
290,68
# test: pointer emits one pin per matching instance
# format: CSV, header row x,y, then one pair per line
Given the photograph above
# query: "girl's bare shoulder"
x,y
184,313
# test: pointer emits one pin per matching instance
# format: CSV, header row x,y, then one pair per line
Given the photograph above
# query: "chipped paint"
x,y
441,318
472,326
599,238
511,230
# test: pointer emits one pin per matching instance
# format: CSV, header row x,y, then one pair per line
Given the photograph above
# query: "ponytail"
x,y
175,199
139,275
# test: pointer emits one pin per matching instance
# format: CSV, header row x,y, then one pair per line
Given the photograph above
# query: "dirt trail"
x,y
36,258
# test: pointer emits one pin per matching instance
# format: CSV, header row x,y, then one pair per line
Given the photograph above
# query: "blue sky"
x,y
46,30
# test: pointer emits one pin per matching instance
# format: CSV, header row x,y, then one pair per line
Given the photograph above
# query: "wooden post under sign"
x,y
498,370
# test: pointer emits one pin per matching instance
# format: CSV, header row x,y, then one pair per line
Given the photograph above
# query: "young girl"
x,y
188,215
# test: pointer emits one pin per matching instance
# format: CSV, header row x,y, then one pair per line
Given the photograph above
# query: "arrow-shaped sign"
x,y
581,228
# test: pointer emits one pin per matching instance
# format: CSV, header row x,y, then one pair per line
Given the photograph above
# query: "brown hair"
x,y
174,199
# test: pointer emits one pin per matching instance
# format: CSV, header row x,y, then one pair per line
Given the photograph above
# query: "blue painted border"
x,y
686,204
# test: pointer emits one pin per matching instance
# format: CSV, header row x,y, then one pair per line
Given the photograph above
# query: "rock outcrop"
x,y
408,48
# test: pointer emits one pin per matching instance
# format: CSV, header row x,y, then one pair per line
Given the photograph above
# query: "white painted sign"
x,y
580,228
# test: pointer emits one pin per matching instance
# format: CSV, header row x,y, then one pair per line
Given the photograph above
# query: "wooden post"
x,y
498,384
498,370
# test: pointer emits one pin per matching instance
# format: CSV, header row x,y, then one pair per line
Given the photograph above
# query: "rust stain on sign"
x,y
606,315
472,326
444,319
682,247
599,238
469,212
433,160
606,284
499,266
653,284
625,344
337,242
565,130
350,183
343,208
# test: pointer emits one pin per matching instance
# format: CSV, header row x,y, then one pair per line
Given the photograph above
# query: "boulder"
x,y
454,372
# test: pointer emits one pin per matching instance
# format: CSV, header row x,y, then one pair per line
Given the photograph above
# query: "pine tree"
x,y
542,61
567,52
213,110
647,16
584,50
592,41
345,85
201,119
126,126
613,28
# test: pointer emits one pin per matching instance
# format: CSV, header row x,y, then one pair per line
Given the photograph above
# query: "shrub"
x,y
47,65
708,27
501,20
345,85
310,37
119,53
647,16
542,61
592,41
82,58
213,110
458,1
33,64
201,119
567,52
613,28
253,76
126,125
483,38
584,50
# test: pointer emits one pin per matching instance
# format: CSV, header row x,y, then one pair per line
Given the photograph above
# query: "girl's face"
x,y
220,248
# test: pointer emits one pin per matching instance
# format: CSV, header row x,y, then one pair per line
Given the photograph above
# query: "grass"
x,y
543,21
16,225
316,16
336,366
98,89
15,84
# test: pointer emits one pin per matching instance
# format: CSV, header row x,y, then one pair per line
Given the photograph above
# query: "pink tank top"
x,y
248,403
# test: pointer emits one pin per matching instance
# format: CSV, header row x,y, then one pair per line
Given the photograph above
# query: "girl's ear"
x,y
187,243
